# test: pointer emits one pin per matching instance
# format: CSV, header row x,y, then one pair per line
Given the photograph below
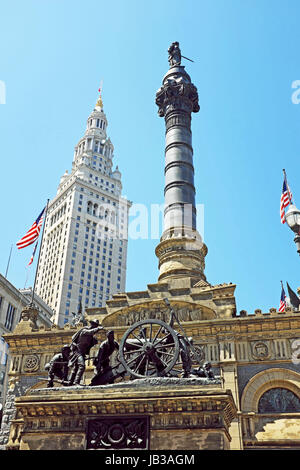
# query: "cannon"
x,y
152,348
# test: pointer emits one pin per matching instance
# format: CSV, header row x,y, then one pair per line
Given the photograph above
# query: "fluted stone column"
x,y
181,251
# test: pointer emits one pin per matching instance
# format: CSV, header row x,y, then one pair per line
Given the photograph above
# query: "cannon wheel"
x,y
142,351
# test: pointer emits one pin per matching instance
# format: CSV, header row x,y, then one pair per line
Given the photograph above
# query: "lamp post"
x,y
292,218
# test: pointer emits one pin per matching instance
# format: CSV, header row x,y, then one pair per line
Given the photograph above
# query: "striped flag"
x,y
286,199
282,304
32,256
33,233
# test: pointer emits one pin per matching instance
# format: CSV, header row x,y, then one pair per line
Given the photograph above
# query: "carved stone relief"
x,y
260,350
31,363
118,433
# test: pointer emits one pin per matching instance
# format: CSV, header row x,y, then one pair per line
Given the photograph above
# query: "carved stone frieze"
x,y
186,313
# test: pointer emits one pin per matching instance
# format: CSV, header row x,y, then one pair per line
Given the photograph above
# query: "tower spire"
x,y
99,103
181,251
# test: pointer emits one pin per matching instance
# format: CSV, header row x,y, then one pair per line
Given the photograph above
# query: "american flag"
x,y
32,256
282,304
33,233
286,199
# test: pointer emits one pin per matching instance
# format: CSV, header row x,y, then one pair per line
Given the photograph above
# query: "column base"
x,y
181,253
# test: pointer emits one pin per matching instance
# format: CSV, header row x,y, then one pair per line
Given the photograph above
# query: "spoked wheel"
x,y
149,348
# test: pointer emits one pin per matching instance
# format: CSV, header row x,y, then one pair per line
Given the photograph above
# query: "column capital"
x,y
177,93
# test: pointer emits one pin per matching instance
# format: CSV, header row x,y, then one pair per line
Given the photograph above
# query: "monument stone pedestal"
x,y
154,414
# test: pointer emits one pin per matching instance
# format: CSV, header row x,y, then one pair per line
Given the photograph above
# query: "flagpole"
x,y
36,270
27,276
8,261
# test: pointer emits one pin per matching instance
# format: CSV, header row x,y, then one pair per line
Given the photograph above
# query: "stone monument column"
x,y
181,251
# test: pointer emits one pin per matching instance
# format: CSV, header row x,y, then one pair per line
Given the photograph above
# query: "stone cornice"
x,y
205,331
196,403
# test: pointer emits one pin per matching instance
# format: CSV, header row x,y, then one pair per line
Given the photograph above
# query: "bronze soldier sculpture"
x,y
174,54
204,371
58,366
82,342
101,362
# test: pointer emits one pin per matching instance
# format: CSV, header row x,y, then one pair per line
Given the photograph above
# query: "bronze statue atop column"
x,y
174,54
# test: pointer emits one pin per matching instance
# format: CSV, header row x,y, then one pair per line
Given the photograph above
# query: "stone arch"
x,y
89,207
265,380
37,385
95,209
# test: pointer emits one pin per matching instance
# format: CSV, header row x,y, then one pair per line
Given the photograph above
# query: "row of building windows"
x,y
58,214
101,180
10,314
97,123
97,146
121,207
101,212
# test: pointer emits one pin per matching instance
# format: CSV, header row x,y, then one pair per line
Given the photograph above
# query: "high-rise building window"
x,y
9,316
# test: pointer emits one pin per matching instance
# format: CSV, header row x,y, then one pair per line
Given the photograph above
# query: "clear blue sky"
x,y
53,56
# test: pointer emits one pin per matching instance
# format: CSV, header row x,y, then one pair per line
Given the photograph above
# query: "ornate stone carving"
x,y
133,316
31,363
30,314
118,433
177,95
260,350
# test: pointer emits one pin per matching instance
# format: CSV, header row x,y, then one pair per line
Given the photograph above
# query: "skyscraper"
x,y
83,254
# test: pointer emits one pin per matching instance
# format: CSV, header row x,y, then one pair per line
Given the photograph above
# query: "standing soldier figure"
x,y
82,342
101,362
174,54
